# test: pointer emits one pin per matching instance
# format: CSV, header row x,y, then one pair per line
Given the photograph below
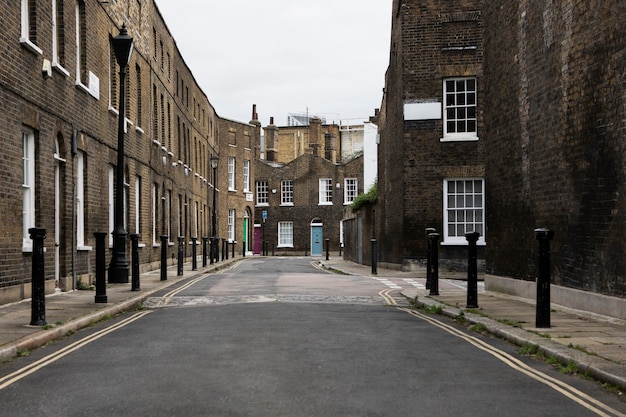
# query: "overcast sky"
x,y
327,57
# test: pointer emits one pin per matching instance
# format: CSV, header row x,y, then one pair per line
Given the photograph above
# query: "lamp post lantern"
x,y
214,249
118,269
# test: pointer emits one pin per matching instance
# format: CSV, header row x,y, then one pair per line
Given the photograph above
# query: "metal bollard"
x,y
542,319
194,256
38,304
223,249
134,239
204,254
374,257
429,255
472,270
164,241
233,253
181,245
434,263
327,241
101,285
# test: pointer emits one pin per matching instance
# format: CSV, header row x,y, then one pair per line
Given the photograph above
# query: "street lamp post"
x,y
214,249
118,269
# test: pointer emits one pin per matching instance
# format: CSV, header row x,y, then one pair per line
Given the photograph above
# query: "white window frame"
x,y
286,193
138,204
28,188
262,193
326,192
350,190
80,202
246,176
231,174
464,204
111,204
231,225
285,234
155,205
452,105
25,30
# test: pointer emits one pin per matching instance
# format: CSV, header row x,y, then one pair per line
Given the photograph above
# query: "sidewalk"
x,y
596,344
67,312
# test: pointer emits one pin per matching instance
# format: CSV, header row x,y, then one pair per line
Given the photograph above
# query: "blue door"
x,y
317,239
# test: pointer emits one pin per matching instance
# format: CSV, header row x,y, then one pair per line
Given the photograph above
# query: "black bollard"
x,y
434,263
542,319
181,244
164,241
134,239
227,249
472,270
233,253
38,304
327,241
101,285
194,257
223,249
429,255
374,257
204,254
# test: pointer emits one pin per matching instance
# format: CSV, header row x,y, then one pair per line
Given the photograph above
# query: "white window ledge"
x,y
84,248
459,139
31,46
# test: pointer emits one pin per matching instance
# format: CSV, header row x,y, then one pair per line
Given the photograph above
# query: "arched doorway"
x,y
317,237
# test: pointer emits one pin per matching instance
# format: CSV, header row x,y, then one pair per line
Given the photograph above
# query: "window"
x,y
28,188
285,234
326,191
246,176
460,117
169,215
80,201
286,193
81,47
138,200
29,26
464,202
58,36
231,225
155,214
262,193
138,95
350,190
111,204
231,174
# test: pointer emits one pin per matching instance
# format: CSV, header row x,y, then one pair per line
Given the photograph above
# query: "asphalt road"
x,y
277,337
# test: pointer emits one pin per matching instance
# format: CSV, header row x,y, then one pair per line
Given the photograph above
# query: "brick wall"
x,y
430,41
554,126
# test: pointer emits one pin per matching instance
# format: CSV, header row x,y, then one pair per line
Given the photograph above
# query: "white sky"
x,y
286,56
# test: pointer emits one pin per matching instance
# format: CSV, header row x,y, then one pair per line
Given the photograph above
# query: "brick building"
x,y
302,190
239,146
431,170
554,124
59,98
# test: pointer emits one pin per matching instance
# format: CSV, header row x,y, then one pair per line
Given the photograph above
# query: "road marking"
x,y
414,283
567,390
388,283
53,357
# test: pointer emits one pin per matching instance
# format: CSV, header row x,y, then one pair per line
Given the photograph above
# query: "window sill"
x,y
284,246
286,205
325,204
26,43
462,243
84,248
57,67
459,139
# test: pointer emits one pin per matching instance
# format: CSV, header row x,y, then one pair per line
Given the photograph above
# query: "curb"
x,y
42,337
595,366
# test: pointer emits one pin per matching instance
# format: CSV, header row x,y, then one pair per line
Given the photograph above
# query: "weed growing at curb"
x,y
433,309
479,328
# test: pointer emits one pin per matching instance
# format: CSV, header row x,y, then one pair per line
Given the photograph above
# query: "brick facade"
x,y
310,152
171,131
431,43
554,126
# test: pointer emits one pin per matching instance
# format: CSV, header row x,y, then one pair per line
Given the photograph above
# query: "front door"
x,y
317,239
257,239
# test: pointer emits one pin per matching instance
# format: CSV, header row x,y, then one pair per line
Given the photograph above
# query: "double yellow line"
x,y
53,357
568,391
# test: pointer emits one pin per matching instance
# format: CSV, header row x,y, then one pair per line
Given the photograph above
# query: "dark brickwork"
x,y
430,41
554,127
172,129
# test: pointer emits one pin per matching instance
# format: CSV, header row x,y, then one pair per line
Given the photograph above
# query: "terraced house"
x,y
59,98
